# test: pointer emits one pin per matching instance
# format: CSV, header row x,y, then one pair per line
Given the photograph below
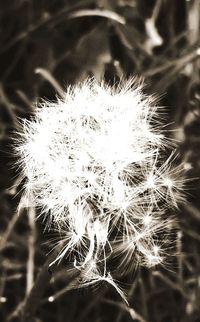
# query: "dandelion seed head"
x,y
94,166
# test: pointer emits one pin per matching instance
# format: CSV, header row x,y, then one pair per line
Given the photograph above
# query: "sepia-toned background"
x,y
46,45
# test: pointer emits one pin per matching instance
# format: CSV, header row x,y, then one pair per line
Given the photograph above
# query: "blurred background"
x,y
47,45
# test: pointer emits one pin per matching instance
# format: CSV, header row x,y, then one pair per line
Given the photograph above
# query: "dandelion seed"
x,y
94,166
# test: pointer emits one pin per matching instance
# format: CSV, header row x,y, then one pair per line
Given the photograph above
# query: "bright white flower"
x,y
95,168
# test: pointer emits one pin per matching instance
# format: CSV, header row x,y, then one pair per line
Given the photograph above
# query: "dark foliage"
x,y
47,45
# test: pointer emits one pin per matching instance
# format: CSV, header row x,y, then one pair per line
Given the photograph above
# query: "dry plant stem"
x,y
130,296
47,76
194,28
144,299
90,306
100,13
64,14
9,106
179,62
172,284
156,9
31,250
8,231
193,211
180,257
32,301
16,311
132,313
25,99
72,279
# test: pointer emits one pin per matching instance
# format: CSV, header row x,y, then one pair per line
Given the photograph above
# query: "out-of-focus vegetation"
x,y
47,45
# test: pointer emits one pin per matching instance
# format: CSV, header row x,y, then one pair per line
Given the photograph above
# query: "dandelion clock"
x,y
96,169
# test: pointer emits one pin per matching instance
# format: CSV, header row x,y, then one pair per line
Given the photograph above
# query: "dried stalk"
x,y
32,301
